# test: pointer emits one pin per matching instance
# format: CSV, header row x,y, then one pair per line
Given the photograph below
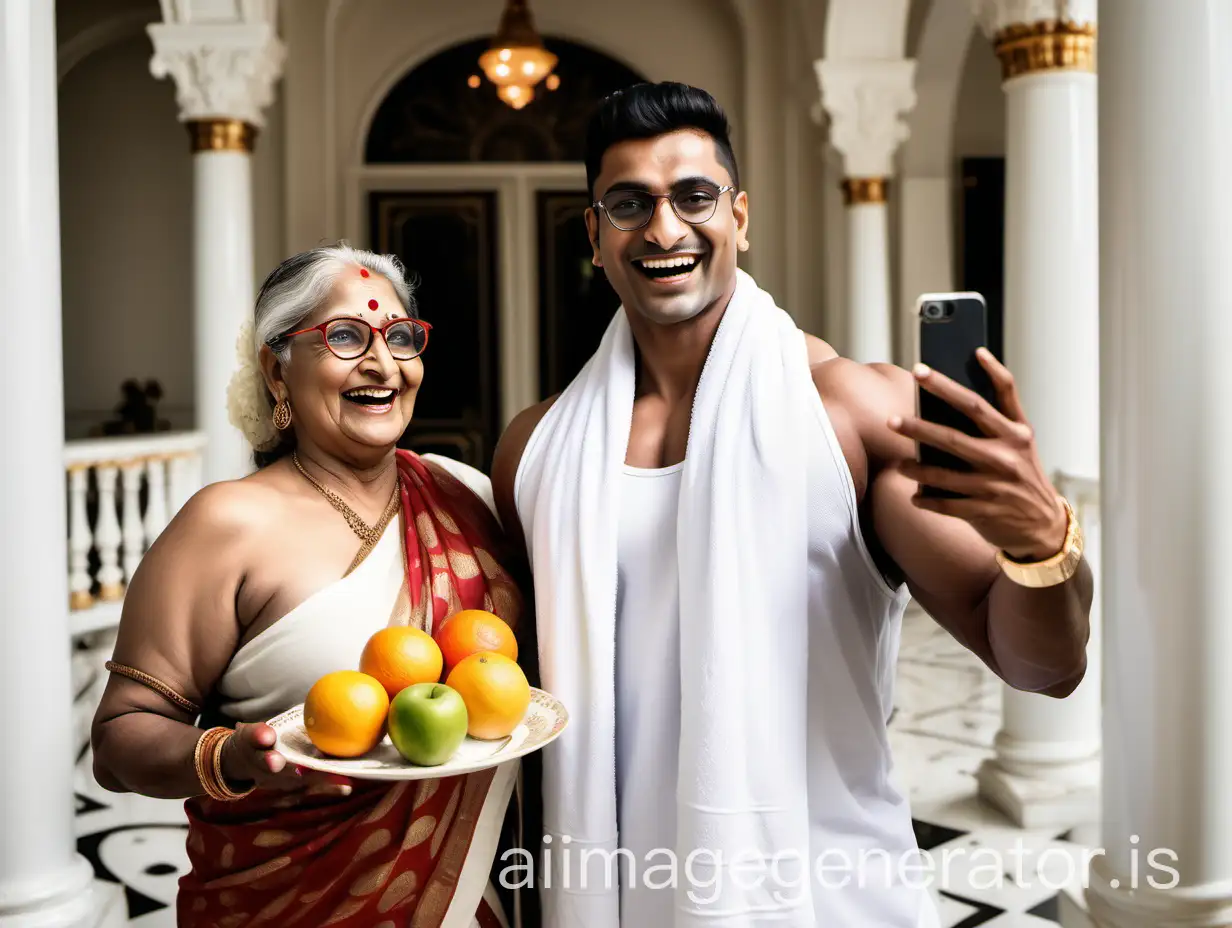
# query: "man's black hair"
x,y
645,111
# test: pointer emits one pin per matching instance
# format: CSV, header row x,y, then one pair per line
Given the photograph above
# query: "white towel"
x,y
742,851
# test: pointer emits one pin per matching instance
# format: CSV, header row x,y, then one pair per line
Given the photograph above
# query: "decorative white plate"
x,y
545,719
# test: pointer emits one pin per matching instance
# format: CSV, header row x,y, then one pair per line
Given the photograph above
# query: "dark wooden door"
x,y
447,241
576,302
982,233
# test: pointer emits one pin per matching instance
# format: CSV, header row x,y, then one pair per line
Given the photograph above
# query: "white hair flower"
x,y
248,405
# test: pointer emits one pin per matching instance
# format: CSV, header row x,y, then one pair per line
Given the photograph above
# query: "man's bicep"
x,y
505,462
946,564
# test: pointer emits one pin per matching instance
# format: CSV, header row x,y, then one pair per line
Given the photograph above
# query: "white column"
x,y
224,69
866,102
1166,322
43,881
1046,769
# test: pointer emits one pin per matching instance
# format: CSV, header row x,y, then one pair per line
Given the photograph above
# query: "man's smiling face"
x,y
670,270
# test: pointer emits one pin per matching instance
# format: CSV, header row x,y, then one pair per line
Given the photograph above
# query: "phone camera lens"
x,y
934,311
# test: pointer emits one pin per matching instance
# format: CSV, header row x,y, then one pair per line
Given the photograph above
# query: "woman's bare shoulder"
x,y
235,513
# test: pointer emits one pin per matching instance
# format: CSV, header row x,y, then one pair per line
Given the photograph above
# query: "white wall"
x,y
125,208
979,124
269,192
126,214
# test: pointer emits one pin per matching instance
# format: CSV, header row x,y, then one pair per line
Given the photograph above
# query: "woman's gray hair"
x,y
293,291
299,286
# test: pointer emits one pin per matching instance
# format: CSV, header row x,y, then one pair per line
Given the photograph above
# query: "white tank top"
x,y
854,630
647,679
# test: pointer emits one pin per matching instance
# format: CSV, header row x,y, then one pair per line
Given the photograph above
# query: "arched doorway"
x,y
484,204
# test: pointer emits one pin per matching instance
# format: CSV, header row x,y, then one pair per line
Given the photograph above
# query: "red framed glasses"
x,y
349,338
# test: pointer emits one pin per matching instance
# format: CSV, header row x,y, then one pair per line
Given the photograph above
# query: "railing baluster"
x,y
133,532
107,535
196,474
156,505
80,540
181,482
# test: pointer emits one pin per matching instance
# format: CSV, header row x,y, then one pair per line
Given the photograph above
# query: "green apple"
x,y
427,723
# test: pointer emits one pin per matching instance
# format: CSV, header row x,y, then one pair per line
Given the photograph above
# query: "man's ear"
x,y
592,232
740,210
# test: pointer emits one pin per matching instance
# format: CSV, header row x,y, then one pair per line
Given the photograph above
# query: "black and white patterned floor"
x,y
986,872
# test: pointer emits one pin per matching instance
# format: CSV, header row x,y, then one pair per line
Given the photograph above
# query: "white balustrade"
x,y
107,535
80,540
122,493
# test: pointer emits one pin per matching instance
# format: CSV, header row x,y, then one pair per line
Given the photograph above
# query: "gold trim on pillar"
x,y
858,190
1051,45
221,135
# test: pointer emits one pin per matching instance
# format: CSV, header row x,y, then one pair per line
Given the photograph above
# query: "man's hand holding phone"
x,y
1002,489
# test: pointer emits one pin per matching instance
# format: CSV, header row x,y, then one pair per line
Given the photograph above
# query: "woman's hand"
x,y
249,757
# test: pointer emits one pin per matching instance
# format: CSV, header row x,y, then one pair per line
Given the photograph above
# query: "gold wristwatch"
x,y
1056,569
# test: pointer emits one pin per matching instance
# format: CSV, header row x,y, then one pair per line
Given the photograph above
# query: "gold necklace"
x,y
369,535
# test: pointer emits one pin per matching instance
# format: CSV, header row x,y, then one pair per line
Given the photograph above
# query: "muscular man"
x,y
724,524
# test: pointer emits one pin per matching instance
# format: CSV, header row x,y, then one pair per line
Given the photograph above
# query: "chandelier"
x,y
517,61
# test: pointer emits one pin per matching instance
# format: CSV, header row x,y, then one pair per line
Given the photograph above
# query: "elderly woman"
x,y
262,585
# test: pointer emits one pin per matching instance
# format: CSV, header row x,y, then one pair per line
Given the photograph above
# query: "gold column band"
x,y
221,135
1051,45
857,190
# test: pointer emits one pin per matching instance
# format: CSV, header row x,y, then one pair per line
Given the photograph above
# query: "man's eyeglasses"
x,y
350,338
630,210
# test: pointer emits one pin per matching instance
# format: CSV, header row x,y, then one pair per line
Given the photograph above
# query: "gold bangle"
x,y
203,760
1053,570
220,781
208,761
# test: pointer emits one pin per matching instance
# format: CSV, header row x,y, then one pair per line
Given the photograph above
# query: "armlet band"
x,y
162,689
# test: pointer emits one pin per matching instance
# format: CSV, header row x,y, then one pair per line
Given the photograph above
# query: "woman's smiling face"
x,y
367,401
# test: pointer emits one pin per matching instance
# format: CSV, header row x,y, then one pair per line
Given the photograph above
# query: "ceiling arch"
x,y
866,29
941,57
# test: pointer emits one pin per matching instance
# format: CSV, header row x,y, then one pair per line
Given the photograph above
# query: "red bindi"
x,y
373,304
363,272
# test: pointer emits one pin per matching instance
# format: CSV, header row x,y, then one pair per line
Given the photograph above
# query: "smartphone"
x,y
951,327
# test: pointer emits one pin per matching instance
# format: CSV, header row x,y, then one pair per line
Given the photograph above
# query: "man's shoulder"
x,y
877,385
513,441
819,351
508,457
861,397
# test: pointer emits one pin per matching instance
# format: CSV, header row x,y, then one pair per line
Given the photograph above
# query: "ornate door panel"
x,y
576,302
447,241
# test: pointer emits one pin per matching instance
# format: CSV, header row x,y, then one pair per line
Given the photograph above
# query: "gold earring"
x,y
282,414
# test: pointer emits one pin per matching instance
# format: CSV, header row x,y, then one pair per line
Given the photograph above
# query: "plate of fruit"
x,y
420,707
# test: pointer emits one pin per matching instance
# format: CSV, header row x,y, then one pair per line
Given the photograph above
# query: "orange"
x,y
473,630
400,657
345,713
495,691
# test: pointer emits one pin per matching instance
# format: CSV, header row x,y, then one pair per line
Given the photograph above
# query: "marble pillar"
x,y
866,102
1046,769
224,71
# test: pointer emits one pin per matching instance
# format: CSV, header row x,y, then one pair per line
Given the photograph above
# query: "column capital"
x,y
223,56
1031,36
996,16
866,101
